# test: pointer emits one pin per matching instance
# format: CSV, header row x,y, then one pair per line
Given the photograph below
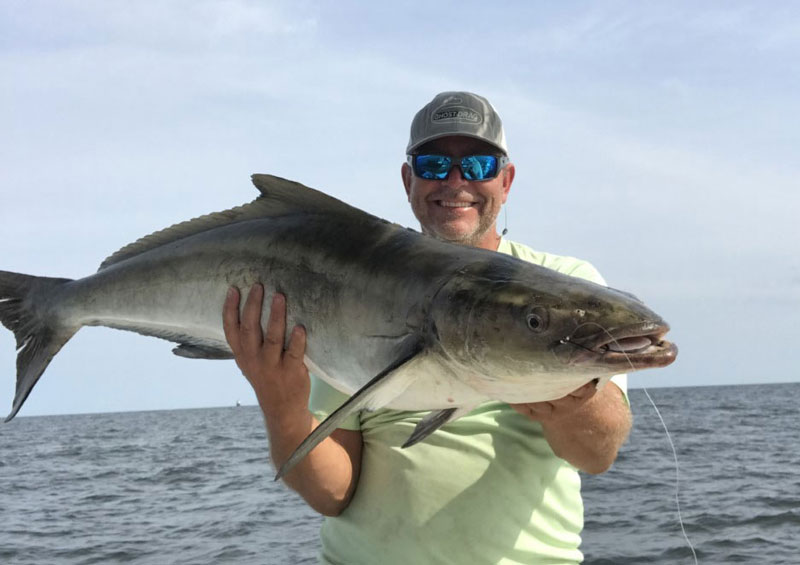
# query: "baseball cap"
x,y
457,113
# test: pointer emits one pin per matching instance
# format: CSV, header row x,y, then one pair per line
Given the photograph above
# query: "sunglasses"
x,y
473,167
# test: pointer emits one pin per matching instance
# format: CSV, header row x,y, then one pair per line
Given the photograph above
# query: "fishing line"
x,y
663,424
677,473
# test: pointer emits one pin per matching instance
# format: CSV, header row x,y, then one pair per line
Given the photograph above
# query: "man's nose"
x,y
456,177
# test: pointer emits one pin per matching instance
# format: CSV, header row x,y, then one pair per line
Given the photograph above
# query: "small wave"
x,y
126,449
72,451
101,498
106,474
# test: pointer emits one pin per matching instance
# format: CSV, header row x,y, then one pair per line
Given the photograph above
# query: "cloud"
x,y
656,139
181,25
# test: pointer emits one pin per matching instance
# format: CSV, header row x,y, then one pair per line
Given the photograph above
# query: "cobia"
x,y
394,318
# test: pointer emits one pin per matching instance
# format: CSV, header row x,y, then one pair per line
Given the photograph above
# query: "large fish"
x,y
394,318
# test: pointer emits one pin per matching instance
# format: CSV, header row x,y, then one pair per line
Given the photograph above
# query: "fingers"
x,y
276,330
535,410
559,408
575,399
583,393
250,334
297,346
230,319
245,336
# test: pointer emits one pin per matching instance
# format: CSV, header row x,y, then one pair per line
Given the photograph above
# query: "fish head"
x,y
516,328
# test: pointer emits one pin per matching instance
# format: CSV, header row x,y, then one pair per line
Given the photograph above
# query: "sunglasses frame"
x,y
502,161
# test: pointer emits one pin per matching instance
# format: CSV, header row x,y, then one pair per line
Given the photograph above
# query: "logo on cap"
x,y
456,114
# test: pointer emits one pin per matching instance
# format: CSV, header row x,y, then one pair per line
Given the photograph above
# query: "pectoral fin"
x,y
191,351
382,389
433,421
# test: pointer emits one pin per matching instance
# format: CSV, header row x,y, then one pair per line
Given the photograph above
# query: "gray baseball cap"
x,y
457,113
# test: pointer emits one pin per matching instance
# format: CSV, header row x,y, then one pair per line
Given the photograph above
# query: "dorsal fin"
x,y
287,197
279,197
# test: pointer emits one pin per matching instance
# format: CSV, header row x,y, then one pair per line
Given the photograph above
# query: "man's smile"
x,y
454,204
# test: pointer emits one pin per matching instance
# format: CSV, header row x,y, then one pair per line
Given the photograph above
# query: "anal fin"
x,y
433,421
191,351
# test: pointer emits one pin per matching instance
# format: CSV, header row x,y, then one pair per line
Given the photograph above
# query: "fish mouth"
x,y
638,346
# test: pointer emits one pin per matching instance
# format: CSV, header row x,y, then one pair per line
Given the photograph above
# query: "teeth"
x,y
447,204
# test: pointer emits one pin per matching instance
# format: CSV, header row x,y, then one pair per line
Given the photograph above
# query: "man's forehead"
x,y
457,145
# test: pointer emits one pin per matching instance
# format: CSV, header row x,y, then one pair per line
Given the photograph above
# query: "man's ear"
x,y
407,174
508,177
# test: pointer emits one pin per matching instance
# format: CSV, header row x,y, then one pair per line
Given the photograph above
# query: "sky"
x,y
658,140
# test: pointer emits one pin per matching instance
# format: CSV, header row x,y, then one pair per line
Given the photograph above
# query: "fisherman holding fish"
x,y
499,484
494,361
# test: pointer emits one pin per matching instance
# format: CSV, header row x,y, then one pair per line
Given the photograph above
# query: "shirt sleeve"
x,y
325,399
587,271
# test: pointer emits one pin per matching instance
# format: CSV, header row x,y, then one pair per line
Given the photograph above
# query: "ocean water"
x,y
738,451
195,487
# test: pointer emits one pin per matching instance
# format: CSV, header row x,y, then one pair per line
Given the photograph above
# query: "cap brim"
x,y
411,148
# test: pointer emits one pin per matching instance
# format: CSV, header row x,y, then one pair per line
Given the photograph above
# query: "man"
x,y
499,485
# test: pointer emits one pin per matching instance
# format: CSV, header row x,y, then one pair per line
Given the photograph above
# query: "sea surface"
x,y
195,487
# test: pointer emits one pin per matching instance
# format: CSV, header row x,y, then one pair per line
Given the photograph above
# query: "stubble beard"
x,y
470,239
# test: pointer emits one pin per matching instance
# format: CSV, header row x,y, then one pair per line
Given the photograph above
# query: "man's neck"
x,y
490,241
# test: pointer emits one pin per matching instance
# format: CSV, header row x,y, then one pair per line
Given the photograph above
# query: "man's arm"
x,y
586,427
326,478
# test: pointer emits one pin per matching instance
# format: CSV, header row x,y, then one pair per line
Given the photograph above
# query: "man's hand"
x,y
326,478
587,427
279,378
554,410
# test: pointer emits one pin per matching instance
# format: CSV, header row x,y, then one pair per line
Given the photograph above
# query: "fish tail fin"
x,y
24,310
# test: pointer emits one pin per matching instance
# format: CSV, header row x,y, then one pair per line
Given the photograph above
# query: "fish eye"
x,y
534,322
537,319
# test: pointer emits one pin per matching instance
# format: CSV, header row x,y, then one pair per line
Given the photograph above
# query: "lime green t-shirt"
x,y
484,489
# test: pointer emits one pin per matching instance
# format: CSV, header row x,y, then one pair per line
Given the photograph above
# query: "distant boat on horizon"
x,y
238,403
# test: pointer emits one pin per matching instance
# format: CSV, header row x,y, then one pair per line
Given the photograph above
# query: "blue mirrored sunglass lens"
x,y
432,166
479,167
473,167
